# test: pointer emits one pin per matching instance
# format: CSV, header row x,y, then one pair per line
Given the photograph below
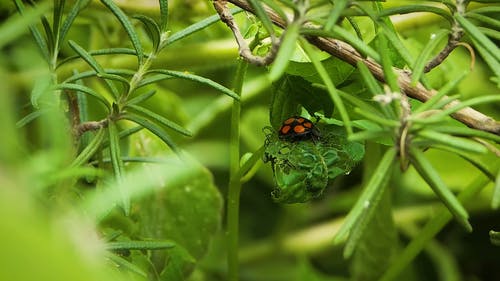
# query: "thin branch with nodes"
x,y
347,53
245,51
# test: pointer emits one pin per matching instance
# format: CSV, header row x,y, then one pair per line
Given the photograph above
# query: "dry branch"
x,y
347,53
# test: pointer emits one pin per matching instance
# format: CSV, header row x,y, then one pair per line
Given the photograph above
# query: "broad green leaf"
x,y
127,25
179,266
186,211
300,91
430,175
282,105
338,70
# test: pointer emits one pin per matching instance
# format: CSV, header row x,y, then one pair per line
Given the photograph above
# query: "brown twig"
x,y
90,126
245,51
347,53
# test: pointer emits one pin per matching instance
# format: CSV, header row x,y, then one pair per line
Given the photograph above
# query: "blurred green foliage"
x,y
141,198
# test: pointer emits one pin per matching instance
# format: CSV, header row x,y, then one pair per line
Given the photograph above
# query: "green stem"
x,y
233,197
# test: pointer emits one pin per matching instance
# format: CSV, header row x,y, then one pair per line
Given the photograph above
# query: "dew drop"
x,y
367,204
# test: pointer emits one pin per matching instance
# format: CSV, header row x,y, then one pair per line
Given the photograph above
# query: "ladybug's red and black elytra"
x,y
298,128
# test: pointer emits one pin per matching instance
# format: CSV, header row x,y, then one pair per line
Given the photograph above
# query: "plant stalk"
x,y
233,196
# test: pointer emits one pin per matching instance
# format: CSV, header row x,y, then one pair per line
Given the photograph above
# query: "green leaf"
x,y
291,91
40,41
287,47
28,237
423,58
152,29
495,237
70,18
456,142
495,202
196,78
90,149
369,80
179,265
142,97
163,15
139,245
479,37
56,21
335,13
334,95
430,230
86,90
378,243
430,175
153,128
199,25
408,9
13,27
386,61
117,164
446,89
101,52
121,262
30,117
94,64
189,195
159,119
48,35
368,199
263,17
338,70
127,25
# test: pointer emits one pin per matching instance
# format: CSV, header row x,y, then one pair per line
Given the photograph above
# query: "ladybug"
x,y
298,128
